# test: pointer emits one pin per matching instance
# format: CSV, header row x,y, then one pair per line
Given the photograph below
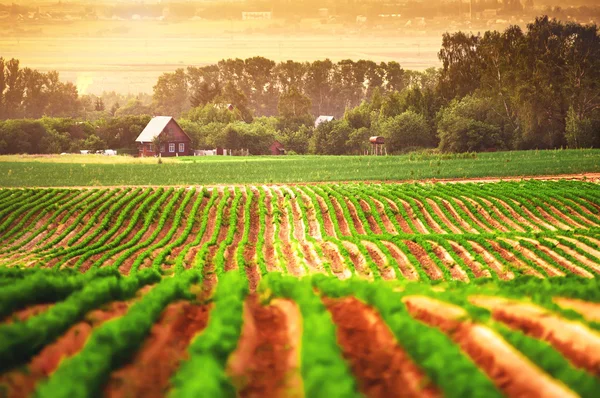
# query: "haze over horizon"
x,y
125,45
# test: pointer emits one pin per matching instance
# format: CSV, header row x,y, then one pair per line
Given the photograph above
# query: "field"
x,y
458,290
76,170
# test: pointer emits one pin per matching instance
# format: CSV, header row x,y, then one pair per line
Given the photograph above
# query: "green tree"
x,y
407,130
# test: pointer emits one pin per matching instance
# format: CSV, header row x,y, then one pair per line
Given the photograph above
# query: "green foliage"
x,y
407,130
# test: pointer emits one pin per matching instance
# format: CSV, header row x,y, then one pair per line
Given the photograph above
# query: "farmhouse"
x,y
323,119
173,140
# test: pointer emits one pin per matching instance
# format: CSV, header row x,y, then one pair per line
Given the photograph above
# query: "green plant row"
x,y
203,373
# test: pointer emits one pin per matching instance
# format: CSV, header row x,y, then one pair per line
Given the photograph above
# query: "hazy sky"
x,y
125,52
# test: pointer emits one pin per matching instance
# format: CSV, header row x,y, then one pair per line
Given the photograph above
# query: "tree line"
x,y
510,90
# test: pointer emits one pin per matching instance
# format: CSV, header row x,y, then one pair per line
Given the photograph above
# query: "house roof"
x,y
322,119
154,128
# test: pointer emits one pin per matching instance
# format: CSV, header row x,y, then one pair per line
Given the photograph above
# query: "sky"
x,y
106,46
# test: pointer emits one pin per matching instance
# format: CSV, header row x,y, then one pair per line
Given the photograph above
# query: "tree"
x,y
171,93
330,138
407,130
580,133
293,104
99,105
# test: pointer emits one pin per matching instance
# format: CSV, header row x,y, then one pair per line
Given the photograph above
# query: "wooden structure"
x,y
277,148
173,140
377,145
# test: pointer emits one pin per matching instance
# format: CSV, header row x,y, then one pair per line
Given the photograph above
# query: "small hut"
x,y
377,145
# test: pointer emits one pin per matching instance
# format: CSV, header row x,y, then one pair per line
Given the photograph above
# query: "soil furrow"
x,y
574,340
355,219
381,366
510,371
149,372
370,219
385,270
456,272
387,223
478,270
404,264
428,265
266,360
230,251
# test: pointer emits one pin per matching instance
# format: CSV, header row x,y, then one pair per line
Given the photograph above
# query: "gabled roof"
x,y
322,119
154,128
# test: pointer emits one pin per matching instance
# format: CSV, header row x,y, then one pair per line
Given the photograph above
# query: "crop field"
x,y
92,170
379,290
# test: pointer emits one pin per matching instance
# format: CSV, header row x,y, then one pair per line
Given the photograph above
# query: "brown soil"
x,y
516,216
572,213
387,223
269,248
24,314
210,227
590,311
125,266
21,383
421,229
533,217
514,226
370,219
478,270
209,271
385,270
464,225
574,340
555,221
230,251
550,270
508,369
354,215
593,265
382,368
339,215
338,268
328,224
577,208
511,258
474,219
430,221
403,264
313,224
148,374
401,221
360,264
455,271
492,262
428,265
486,215
266,361
292,261
310,256
252,271
174,251
560,260
436,209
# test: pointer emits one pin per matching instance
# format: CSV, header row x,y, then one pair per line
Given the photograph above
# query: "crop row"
x,y
294,337
374,231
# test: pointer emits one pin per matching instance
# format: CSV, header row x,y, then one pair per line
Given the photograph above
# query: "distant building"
x,y
323,119
174,141
277,148
260,15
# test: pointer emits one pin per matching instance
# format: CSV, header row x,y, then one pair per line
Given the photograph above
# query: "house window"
x,y
181,147
162,148
171,147
150,147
